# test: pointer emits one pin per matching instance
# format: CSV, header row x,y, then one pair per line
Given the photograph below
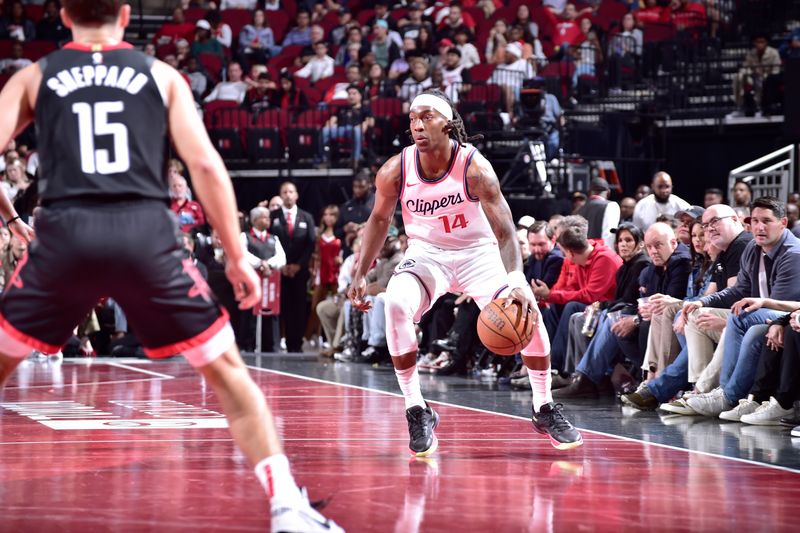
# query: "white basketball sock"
x,y
540,386
409,384
276,478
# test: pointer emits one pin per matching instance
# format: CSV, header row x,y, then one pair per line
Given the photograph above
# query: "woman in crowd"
x,y
325,265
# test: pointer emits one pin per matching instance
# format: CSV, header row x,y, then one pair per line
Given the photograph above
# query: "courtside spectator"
x,y
16,62
190,213
232,90
602,215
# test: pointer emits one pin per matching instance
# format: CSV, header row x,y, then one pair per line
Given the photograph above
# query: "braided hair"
x,y
457,129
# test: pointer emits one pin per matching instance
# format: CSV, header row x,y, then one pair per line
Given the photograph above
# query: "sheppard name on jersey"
x,y
428,208
76,78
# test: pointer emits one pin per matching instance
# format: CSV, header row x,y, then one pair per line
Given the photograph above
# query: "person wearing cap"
x,y
525,222
384,48
461,236
602,214
350,122
203,43
660,202
510,74
578,200
684,219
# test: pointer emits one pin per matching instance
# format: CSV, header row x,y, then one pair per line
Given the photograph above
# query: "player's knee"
x,y
396,307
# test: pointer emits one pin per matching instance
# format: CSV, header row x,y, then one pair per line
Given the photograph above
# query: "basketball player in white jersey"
x,y
461,239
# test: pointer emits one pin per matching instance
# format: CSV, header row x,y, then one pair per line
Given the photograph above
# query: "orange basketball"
x,y
505,331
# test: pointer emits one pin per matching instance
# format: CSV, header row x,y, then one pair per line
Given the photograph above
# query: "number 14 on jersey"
x,y
453,222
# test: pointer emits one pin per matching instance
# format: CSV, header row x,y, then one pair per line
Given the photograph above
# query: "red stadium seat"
x,y
212,63
228,131
266,136
35,50
483,97
237,19
365,15
32,11
193,14
279,22
654,33
482,72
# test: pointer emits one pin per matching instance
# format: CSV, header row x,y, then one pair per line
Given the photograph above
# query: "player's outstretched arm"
x,y
210,179
16,102
387,191
483,184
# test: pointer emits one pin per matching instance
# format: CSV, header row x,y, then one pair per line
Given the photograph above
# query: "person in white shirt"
x,y
233,89
320,66
660,202
469,54
510,74
16,61
237,4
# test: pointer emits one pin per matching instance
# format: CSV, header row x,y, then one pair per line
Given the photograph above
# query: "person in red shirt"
x,y
174,30
190,214
565,30
589,274
324,267
652,13
688,15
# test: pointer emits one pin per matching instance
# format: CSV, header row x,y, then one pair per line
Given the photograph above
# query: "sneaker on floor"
x,y
559,381
710,404
345,356
768,414
796,432
550,421
301,518
581,387
421,423
678,407
642,399
746,406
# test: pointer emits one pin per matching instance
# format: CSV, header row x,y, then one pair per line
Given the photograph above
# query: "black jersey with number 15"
x,y
101,124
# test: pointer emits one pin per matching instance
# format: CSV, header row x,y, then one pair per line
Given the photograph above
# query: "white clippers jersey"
x,y
441,211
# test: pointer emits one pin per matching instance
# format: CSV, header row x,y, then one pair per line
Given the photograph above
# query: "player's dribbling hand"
x,y
246,286
22,231
525,297
356,293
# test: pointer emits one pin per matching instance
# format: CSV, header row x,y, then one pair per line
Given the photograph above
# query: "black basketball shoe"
x,y
421,423
551,422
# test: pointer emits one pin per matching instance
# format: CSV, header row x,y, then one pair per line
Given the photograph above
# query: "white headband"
x,y
433,101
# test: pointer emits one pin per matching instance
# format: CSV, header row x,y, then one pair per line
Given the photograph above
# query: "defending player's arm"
x,y
484,185
387,191
210,179
16,101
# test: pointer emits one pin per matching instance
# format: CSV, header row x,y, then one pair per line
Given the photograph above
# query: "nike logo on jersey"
x,y
411,184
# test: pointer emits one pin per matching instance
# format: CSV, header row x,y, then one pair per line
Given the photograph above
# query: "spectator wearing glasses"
x,y
769,267
700,331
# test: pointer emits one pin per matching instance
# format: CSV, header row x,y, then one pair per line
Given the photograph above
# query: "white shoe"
x,y
768,414
796,431
679,407
301,519
709,404
746,406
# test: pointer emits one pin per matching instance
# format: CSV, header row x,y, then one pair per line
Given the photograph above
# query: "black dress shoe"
x,y
581,387
559,382
793,419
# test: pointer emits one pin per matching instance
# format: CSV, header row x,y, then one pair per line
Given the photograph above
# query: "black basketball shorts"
x,y
130,251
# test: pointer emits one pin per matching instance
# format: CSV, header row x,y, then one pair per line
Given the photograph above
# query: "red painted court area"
x,y
139,447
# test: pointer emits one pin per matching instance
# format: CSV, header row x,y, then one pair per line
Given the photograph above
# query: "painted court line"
x,y
142,370
610,435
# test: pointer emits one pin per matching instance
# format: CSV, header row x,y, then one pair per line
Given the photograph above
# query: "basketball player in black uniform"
x,y
103,112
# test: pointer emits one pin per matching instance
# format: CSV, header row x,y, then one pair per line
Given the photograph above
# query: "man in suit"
x,y
296,231
602,214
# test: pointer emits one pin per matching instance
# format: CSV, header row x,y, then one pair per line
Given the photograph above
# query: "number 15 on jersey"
x,y
93,122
